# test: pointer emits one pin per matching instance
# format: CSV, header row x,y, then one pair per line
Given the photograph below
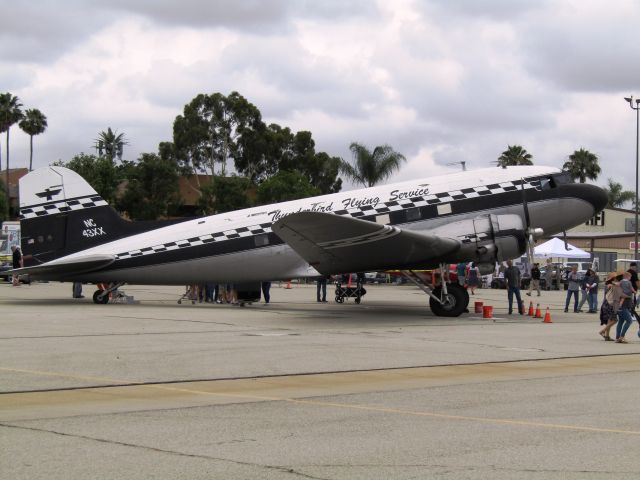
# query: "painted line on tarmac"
x,y
349,406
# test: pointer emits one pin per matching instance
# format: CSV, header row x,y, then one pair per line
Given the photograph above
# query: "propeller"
x,y
531,234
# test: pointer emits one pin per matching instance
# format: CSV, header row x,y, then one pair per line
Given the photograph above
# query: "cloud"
x,y
439,81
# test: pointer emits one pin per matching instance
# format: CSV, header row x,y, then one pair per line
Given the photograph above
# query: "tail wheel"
x,y
454,303
97,298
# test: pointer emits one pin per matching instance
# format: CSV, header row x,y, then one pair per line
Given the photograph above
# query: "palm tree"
x,y
33,123
110,144
617,196
10,113
371,167
514,155
582,165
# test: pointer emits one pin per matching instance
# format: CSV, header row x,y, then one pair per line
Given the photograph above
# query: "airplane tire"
x,y
100,301
456,303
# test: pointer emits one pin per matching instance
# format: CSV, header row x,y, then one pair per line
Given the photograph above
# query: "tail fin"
x,y
60,213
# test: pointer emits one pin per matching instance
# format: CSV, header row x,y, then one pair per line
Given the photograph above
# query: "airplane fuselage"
x,y
240,246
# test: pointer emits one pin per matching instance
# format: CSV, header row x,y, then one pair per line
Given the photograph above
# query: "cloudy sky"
x,y
441,81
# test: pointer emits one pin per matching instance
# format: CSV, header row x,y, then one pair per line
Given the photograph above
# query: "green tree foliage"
x,y
225,194
151,190
110,144
4,203
616,195
276,149
582,165
10,113
33,123
514,155
371,167
284,186
99,172
209,129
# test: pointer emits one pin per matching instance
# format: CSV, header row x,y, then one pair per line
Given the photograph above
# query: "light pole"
x,y
637,109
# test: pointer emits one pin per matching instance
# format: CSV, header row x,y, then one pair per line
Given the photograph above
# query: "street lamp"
x,y
637,109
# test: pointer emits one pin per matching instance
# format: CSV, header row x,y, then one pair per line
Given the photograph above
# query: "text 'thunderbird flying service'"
x,y
69,233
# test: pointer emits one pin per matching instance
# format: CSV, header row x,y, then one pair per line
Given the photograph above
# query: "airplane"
x,y
70,233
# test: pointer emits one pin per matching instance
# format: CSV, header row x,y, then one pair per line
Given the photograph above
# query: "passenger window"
x,y
261,240
413,214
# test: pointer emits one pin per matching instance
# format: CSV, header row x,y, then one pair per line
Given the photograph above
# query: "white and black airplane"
x,y
69,233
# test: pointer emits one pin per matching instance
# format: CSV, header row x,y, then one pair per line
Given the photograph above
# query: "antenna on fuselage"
x,y
462,162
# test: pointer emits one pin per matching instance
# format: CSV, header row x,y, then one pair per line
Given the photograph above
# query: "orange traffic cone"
x,y
538,311
288,285
531,313
547,317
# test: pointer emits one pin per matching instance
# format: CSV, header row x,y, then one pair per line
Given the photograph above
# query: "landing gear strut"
x,y
445,300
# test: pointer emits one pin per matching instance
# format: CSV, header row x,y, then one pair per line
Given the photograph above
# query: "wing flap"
x,y
60,268
335,244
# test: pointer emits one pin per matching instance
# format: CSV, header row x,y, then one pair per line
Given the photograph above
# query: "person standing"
x,y
583,292
266,291
591,283
633,271
460,268
321,288
473,278
77,290
18,262
512,278
610,305
548,274
535,279
624,313
572,289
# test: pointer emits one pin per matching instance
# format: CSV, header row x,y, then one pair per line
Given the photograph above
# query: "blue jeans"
x,y
575,303
593,301
624,316
510,293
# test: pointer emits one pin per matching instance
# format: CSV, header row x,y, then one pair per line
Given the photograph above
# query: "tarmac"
x,y
300,389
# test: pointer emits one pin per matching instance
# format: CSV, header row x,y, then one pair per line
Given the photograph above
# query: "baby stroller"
x,y
343,291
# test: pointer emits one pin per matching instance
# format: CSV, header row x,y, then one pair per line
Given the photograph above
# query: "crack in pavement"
x,y
162,450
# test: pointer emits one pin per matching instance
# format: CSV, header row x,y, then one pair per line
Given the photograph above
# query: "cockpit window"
x,y
561,179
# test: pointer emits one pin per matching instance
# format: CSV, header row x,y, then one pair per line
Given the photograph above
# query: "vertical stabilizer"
x,y
60,213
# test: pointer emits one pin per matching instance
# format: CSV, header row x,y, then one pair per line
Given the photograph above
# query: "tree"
x,y
285,186
4,203
99,172
10,113
210,127
582,165
110,144
33,123
225,194
514,155
371,167
152,189
618,197
273,149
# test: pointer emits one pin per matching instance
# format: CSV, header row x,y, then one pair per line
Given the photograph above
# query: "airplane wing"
x,y
66,267
337,244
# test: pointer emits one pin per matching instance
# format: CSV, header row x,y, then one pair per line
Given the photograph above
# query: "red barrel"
x,y
478,307
487,312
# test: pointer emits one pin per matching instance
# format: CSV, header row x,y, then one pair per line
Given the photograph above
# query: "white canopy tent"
x,y
556,248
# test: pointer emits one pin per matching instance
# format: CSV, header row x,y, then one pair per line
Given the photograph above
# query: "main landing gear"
x,y
446,299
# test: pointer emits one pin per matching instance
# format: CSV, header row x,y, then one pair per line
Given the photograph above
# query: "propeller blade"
x,y
527,219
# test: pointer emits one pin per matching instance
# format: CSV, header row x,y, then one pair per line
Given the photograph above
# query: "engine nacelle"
x,y
487,239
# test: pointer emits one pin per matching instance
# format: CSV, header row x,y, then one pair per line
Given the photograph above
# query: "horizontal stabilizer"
x,y
340,244
59,269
